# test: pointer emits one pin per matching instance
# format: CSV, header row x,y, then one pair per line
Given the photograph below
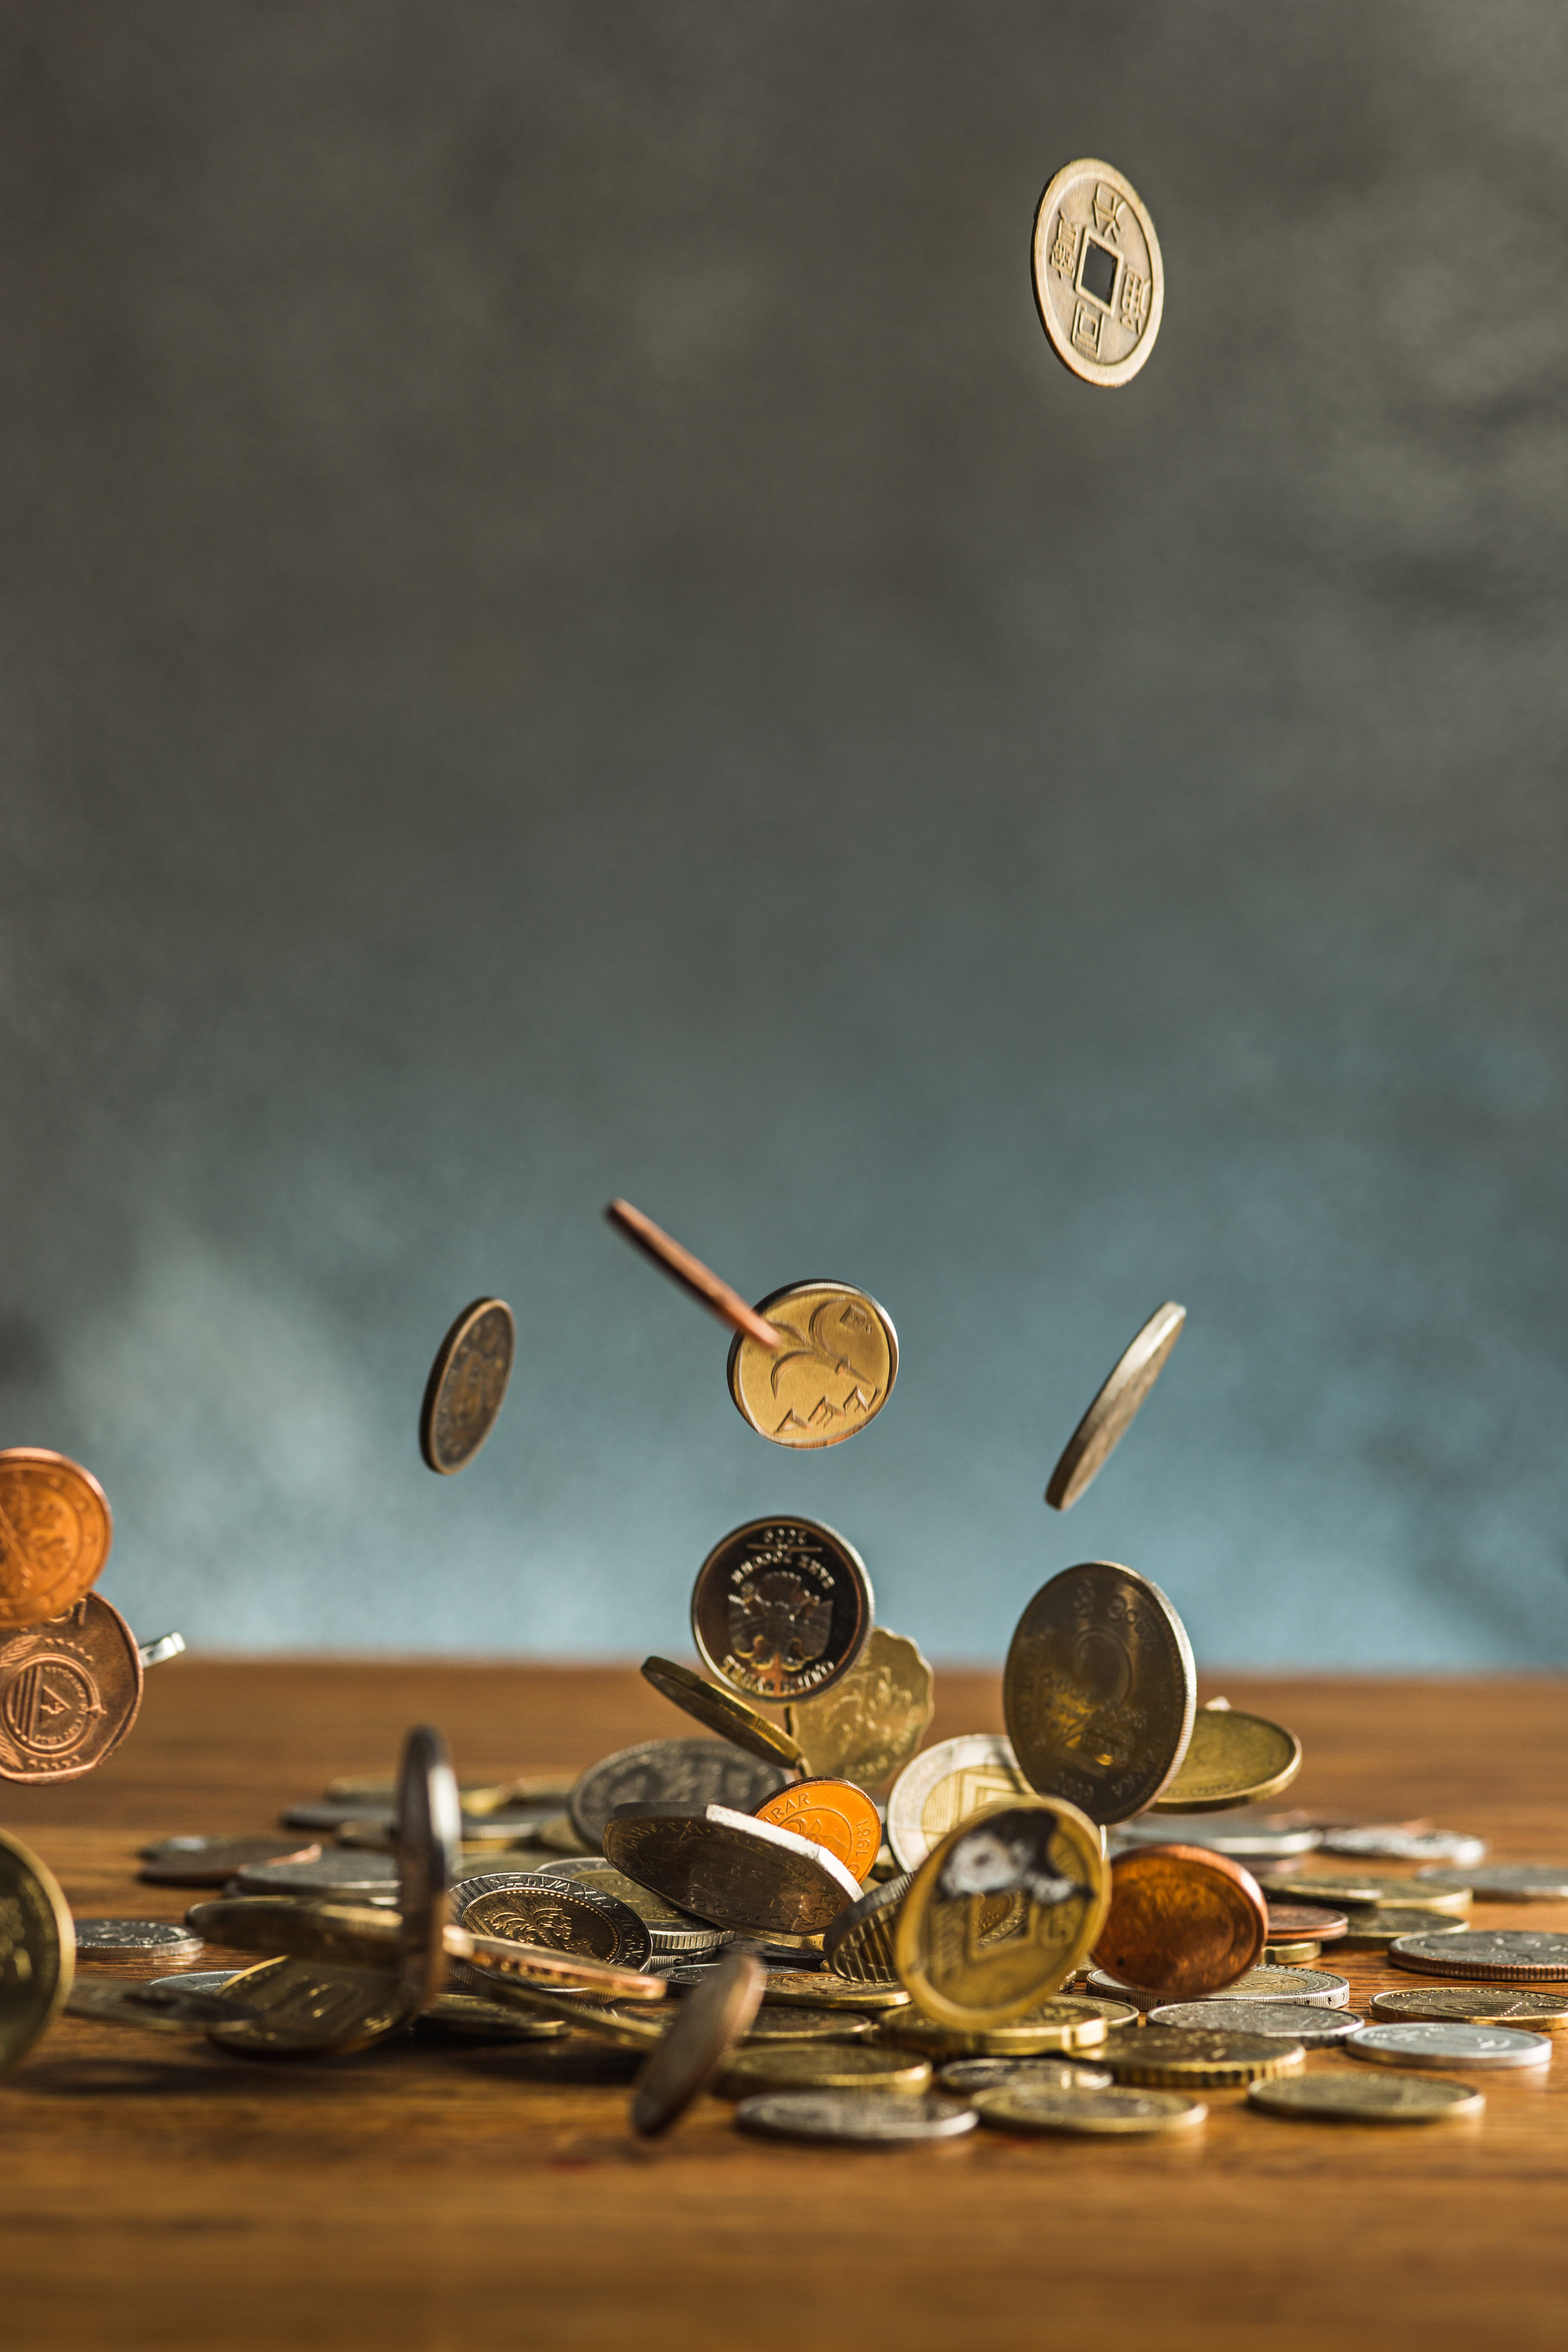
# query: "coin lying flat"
x,y
673,1771
1232,1758
1366,2098
1099,1691
831,1813
1065,2023
1114,2113
38,1950
1114,1410
556,1915
1363,1890
786,2024
333,1877
467,1385
113,1942
822,1989
70,1692
1100,282
833,1374
781,1608
1256,1838
351,1936
1486,1956
56,1529
729,1869
1508,1882
303,2009
1288,2021
1183,2056
194,1980
214,1861
861,2119
170,2008
858,1945
1430,2043
1319,1987
1303,1921
1389,1841
1378,1926
466,2017
868,1724
838,2066
1001,1912
1181,1921
721,1711
711,2020
670,1931
1539,2012
946,1785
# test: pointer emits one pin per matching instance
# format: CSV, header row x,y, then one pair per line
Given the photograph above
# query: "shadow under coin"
x,y
549,2063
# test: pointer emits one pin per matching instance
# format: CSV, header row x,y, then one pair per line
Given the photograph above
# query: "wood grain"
x,y
153,2193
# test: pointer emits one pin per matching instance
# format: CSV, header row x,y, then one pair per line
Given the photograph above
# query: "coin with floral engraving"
x,y
553,1914
780,1609
70,1692
54,1533
1099,283
833,1374
467,1385
1286,2021
669,1931
1099,1690
855,2118
1366,2098
1116,1407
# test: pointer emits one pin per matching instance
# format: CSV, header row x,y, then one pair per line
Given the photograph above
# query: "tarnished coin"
x,y
1116,1407
303,2009
54,1533
1388,1841
556,1915
869,1723
1099,1690
1376,1929
967,2075
1540,2012
832,1813
1254,1838
858,1946
333,1877
1366,2098
1286,2020
833,1374
214,1861
787,2024
1364,1890
781,1608
711,2020
1181,1921
171,2007
428,1824
1107,2005
1099,283
669,1930
1430,2043
1063,2024
1507,1882
466,2017
1319,1987
828,2066
1001,1912
38,1950
823,1989
1207,2059
946,1785
1232,1758
670,1772
1305,1922
1117,2112
114,1942
70,1692
467,1385
1486,1955
721,1711
854,2117
729,1869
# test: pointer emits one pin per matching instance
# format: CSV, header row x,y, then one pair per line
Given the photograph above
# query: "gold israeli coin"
x,y
558,1915
54,1533
720,1711
467,1385
70,1692
1476,2004
309,2009
858,1946
1232,1758
1366,2098
781,1608
1099,1691
831,2066
1179,2056
1115,1409
822,1989
1115,2112
1099,283
945,1785
1001,1912
1055,2025
868,1724
1364,1890
832,1813
38,1950
833,1374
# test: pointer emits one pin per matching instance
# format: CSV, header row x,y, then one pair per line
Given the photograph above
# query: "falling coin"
x,y
305,2008
55,1532
467,1385
721,1711
831,1813
70,1692
1099,1691
711,2020
781,1608
1001,1912
1366,2098
1099,283
729,1869
693,1276
945,1785
832,1375
1181,1921
1115,1409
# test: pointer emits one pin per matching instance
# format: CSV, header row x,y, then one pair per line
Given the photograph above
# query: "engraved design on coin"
x,y
832,1813
1291,2021
833,1374
676,1772
1099,1690
467,1385
868,1725
781,1608
1100,282
55,1534
70,1692
943,1786
1519,1954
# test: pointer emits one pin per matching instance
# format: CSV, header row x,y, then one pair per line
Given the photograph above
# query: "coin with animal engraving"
x,y
54,1533
115,1942
1099,1690
1181,1921
1393,1843
711,2023
858,1945
730,1869
214,1861
833,1374
670,1931
1288,2020
1209,2059
467,1385
967,2075
1115,2113
832,1813
1232,1758
946,1784
70,1692
1417,2042
854,2118
1001,1912
38,1950
1366,2098
557,1914
825,2067
670,1772
303,2009
781,1608
1116,1407
1505,1882
1477,2004
721,1711
1065,2023
1486,1955
1100,282
867,1725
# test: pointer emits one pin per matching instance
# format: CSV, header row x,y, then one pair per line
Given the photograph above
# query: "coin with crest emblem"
x,y
70,1692
834,1372
54,1533
467,1385
1100,282
780,1609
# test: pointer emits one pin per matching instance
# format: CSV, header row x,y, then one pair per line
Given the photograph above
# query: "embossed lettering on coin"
x,y
1099,283
833,1374
832,1813
467,1385
781,1608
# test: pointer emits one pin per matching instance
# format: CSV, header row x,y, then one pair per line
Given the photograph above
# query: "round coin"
x,y
1389,1842
38,1950
1181,1921
114,1943
302,2009
721,1711
781,1608
1508,1882
1376,1929
1116,1407
831,1813
1430,2043
1245,1837
214,1861
1363,1890
861,2119
1366,2098
729,1869
54,1533
833,2067
967,2075
1099,1691
1055,2025
1099,283
1232,1758
70,1692
711,2020
1302,1922
1286,2021
467,1385
465,2017
172,2007
858,1946
333,1877
670,1931
833,1374
555,1914
1117,2113
946,1785
787,2024
869,1723
823,1989
669,1771
1319,1987
1207,2059
1001,1912
1539,2012
195,1981
1486,1955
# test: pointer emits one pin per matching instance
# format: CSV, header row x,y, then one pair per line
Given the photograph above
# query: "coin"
x,y
729,1869
1099,1690
831,1813
333,1877
1232,1758
944,1786
214,1861
467,1385
158,1652
1367,2098
1116,2111
1054,2025
672,1771
112,1942
56,1529
968,2075
1500,1956
721,1711
38,1950
1181,1921
669,1930
1449,2043
1390,1842
1099,283
1288,2020
858,1945
1305,1919
1116,1407
69,1691
1114,2012
555,1914
1477,2005
820,1989
781,1608
428,1825
711,2020
305,2008
787,2024
493,1964
837,2066
1508,1882
194,1979
833,1374
351,1936
861,2119
466,2017
1209,2059
1376,1929
1319,1987
1001,1912
1245,1837
171,2007
326,1817
1289,1956
869,1723
1364,1890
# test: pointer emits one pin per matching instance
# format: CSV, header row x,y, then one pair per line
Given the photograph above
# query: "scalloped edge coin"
x,y
469,1354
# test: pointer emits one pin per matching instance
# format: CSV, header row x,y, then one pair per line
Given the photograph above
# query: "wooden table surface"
x,y
153,2193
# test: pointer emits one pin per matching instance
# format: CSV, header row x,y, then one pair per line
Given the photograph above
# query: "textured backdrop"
x,y
561,632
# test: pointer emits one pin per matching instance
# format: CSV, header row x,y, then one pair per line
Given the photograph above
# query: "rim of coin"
x,y
773,1588
70,1691
214,1861
1286,2021
968,2075
681,1772
1429,2043
830,1332
335,1874
1304,1920
1232,1758
1115,1407
168,2007
1479,2004
1364,1890
1382,2098
829,1813
159,1652
1505,1882
671,1933
788,2023
342,1935
493,1963
1089,291
947,1784
1098,1650
730,1868
1258,1840
469,2017
1376,1928
722,1711
1289,1956
1486,1955
870,1723
467,1385
1002,1911
108,1938
563,1915
1118,2112
866,2119
1181,1920
821,1989
41,1931
710,2022
1056,2026
429,1825
1207,2058
1391,1842
44,1495
825,2066
310,2009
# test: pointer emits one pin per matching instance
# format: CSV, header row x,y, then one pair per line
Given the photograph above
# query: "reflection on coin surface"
x,y
1430,2043
303,2009
1376,1928
824,1989
428,1826
467,1385
729,1869
1389,1842
1488,1956
833,1374
968,2075
1319,1987
1301,1921
1181,1921
1360,1890
669,1930
721,1711
865,2120
174,2006
1252,1838
70,1692
1099,1690
1289,2021
1066,2023
1207,2058
38,1950
1371,2098
781,1608
672,1771
1476,2004
196,1981
1122,2113
214,1861
944,1786
711,2020
100,1941
1508,1882
556,1915
1232,1758
1116,1407
55,1534
838,2066
1001,1912
1099,283
858,1945
332,1877
866,1727
832,1813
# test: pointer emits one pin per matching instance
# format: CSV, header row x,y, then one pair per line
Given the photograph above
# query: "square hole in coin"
x,y
1097,271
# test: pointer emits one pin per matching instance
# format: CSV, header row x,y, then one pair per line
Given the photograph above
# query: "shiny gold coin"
x,y
1289,1956
821,1989
467,1385
1115,1409
1115,2114
560,1915
1477,2004
840,2066
1001,1912
1181,1921
306,2009
872,1720
833,1374
1055,2025
38,1950
720,1711
1099,1691
1100,282
1177,2056
831,1813
1232,1758
56,1529
1367,2098
1362,1890
858,1946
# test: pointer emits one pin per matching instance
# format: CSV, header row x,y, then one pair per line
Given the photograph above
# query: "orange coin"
x,y
1183,1921
55,1534
834,1813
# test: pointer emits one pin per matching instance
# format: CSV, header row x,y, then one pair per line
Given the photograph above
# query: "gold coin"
x,y
1363,1890
1001,1912
1289,1956
1367,2098
831,1813
1115,1409
1232,1758
1099,1690
948,1784
467,1385
781,1608
1477,2004
467,2018
868,1724
1115,2112
729,1869
821,1989
1179,2055
858,1946
787,2024
38,1950
1099,283
833,1374
70,1692
840,2066
720,1711
1376,1930
56,1529
310,2008
1065,2024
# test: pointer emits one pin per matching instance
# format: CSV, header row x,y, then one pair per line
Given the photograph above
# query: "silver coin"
x,y
1450,2046
1267,1836
943,1785
868,2118
1291,2021
159,1653
195,1981
573,1901
1319,1987
428,1818
672,1772
1508,1882
1490,1955
154,1939
670,1931
971,2075
338,1873
1391,1843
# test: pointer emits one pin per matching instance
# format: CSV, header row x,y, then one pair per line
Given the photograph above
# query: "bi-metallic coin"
x,y
945,1785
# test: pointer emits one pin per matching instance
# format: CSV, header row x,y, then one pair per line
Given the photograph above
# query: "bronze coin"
x,y
829,1371
467,1385
70,1692
1183,1921
781,1608
1099,1690
1299,1922
56,1528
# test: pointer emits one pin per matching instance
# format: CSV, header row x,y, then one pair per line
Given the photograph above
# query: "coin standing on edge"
x,y
671,1932
429,1825
1232,1758
868,1724
1366,2098
1100,282
1181,1921
711,2020
1434,2044
857,2119
56,1528
1099,1690
720,1711
1001,1912
833,1373
467,1385
831,1813
303,2009
858,1945
70,1692
945,1785
1116,1407
781,1608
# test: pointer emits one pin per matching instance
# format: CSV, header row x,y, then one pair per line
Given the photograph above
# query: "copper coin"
x,y
1183,1921
780,1609
834,1813
70,1692
467,1385
55,1532
1301,1923
214,1861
